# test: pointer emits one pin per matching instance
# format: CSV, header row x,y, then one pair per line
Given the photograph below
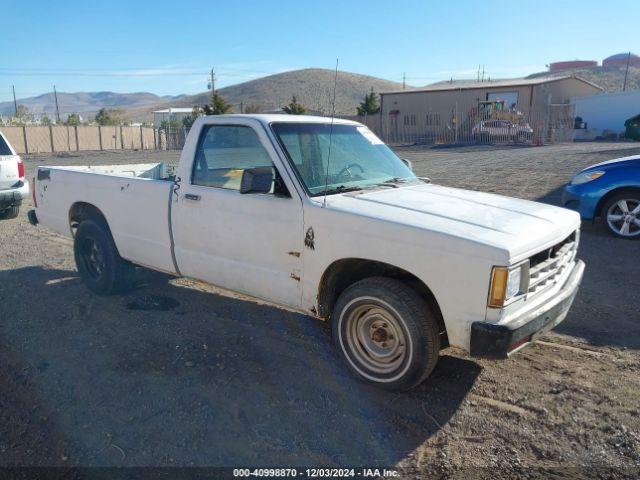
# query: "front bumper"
x,y
489,340
582,199
13,197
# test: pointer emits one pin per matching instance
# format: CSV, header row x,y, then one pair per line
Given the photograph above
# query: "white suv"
x,y
13,186
501,131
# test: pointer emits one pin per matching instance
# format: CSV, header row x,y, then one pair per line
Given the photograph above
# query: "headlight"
x,y
585,177
506,283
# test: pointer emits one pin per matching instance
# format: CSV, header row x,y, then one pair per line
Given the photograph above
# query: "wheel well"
x,y
343,273
603,201
81,211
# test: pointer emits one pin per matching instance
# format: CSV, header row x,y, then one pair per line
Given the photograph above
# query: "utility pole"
x,y
404,80
15,104
55,95
213,85
626,73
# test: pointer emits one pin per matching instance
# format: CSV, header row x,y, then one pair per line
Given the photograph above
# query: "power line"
x,y
111,75
125,73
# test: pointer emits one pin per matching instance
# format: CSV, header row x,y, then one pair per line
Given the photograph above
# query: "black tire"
x,y
9,213
407,314
98,261
632,199
485,139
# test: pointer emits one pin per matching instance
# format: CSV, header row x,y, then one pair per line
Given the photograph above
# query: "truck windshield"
x,y
358,158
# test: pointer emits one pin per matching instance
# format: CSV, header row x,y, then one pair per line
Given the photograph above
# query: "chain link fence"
x,y
545,125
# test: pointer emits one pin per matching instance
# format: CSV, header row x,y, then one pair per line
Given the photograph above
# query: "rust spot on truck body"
x,y
295,277
294,254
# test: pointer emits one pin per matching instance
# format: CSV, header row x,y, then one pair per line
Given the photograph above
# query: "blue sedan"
x,y
609,190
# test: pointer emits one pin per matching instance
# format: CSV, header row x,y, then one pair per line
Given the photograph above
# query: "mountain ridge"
x,y
312,86
84,103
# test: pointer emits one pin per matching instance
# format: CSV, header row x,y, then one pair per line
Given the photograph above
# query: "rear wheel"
x,y
386,332
9,213
621,215
98,261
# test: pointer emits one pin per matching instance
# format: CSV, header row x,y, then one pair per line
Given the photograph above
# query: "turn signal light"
x,y
498,287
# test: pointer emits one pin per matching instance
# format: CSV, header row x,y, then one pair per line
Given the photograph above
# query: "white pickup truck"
x,y
13,186
322,217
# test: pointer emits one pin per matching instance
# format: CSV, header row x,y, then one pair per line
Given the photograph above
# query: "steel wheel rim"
x,y
92,258
376,338
623,217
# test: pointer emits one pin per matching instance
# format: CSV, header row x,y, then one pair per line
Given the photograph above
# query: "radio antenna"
x,y
333,114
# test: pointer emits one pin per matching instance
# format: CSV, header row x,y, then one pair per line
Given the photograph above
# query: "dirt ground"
x,y
206,379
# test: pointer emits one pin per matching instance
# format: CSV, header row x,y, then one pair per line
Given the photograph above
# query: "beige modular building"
x,y
445,106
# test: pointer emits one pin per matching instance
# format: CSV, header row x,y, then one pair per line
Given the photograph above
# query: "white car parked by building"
x,y
14,188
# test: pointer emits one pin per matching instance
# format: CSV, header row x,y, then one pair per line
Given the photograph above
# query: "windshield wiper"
x,y
339,189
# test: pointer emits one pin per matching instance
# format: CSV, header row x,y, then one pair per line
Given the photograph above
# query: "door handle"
x,y
191,196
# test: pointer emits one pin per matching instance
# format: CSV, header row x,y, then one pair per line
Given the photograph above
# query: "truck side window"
x,y
224,152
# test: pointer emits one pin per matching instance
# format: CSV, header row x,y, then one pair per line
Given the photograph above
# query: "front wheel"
x,y
386,332
9,213
621,215
100,265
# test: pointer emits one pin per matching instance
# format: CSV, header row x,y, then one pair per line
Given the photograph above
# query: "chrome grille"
x,y
545,267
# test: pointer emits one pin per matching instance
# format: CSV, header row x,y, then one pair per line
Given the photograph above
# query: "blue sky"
x,y
167,47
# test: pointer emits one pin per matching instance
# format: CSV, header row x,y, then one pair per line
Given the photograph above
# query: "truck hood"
x,y
519,227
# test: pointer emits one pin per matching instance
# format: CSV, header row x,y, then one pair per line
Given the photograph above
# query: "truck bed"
x,y
154,171
134,199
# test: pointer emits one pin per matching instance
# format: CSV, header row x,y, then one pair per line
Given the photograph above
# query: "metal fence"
x,y
173,137
61,138
545,125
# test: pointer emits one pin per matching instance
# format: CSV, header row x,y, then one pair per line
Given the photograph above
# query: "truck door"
x,y
249,242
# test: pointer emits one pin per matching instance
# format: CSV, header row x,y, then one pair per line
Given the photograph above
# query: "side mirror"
x,y
407,163
257,180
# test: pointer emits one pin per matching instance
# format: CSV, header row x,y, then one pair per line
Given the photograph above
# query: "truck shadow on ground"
x,y
212,380
605,311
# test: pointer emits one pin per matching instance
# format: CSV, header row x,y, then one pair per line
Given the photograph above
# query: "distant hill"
x,y
312,86
609,78
84,103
